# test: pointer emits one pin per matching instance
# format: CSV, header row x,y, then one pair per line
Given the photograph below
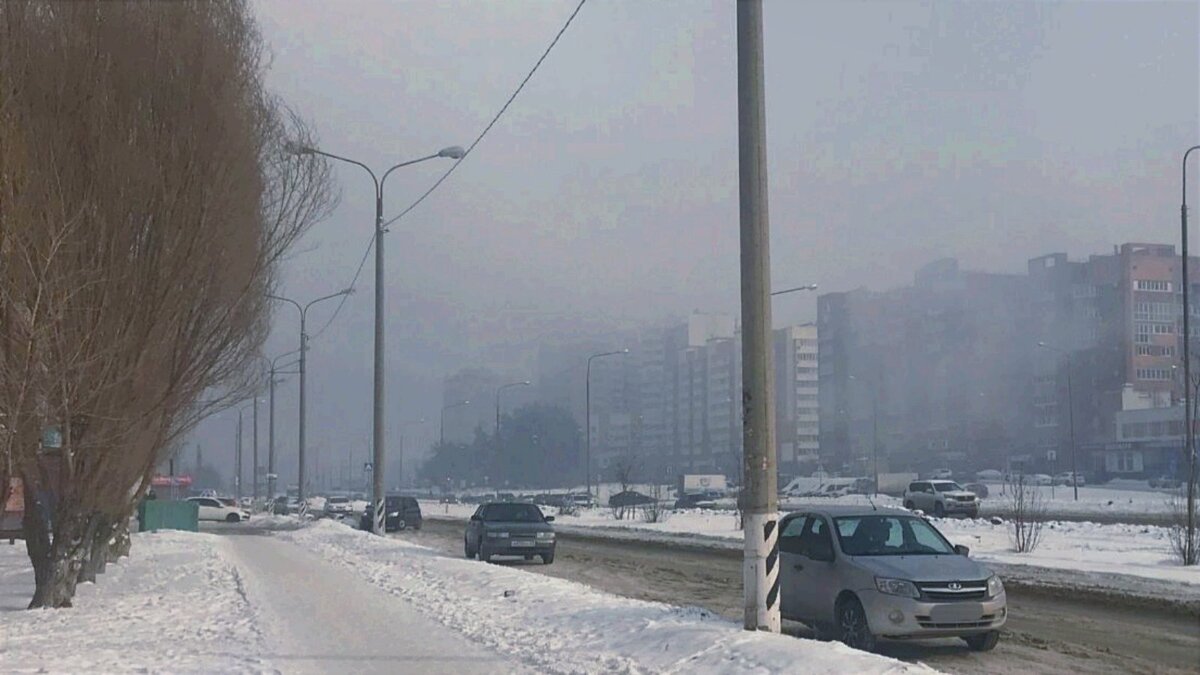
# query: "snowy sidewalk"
x,y
317,617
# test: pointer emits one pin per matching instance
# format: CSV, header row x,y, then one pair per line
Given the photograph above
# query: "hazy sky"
x,y
898,132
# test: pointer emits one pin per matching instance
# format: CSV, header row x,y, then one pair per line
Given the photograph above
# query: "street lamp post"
x,y
1070,414
442,432
523,383
303,310
452,152
274,371
588,413
400,457
1190,433
237,479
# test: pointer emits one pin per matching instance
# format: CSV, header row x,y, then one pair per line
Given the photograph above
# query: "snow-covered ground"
x,y
562,626
1141,555
174,606
198,602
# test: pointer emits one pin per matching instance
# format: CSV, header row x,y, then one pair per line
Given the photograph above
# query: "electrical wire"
x,y
455,165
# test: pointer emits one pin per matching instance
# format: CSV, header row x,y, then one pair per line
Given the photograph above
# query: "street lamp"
x,y
588,413
523,383
1190,433
1070,415
400,459
274,371
452,152
809,287
303,310
237,480
442,434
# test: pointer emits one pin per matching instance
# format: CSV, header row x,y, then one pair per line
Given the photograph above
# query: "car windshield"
x,y
512,513
947,486
890,535
338,500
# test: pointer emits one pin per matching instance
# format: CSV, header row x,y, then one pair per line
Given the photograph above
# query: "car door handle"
x,y
798,566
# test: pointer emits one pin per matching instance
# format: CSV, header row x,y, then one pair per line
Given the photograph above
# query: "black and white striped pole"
x,y
758,498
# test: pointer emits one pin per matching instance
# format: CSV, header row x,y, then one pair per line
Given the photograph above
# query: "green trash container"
x,y
161,514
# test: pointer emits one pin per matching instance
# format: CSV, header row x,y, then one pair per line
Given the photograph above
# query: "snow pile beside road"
x,y
566,627
175,605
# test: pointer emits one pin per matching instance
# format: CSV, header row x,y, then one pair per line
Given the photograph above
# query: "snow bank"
x,y
566,627
175,605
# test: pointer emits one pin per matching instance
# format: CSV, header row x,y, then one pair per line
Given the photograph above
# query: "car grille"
x,y
945,591
983,622
964,499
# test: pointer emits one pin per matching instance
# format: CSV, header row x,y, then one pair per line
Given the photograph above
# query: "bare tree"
x,y
656,511
625,471
151,201
1026,512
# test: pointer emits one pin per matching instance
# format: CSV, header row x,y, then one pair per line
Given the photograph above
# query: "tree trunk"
x,y
94,548
56,556
120,543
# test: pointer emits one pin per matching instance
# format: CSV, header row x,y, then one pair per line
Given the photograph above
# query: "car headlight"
x,y
994,587
899,587
545,535
393,514
498,535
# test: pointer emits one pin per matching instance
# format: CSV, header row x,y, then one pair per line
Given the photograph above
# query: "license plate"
x,y
523,544
957,612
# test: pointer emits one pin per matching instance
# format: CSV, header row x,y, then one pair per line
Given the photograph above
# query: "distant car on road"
x,y
338,507
941,498
980,490
1069,478
989,474
216,510
697,500
941,474
509,529
399,513
1165,482
1042,479
860,573
448,499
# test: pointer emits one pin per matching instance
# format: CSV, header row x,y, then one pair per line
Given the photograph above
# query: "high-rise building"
x,y
797,407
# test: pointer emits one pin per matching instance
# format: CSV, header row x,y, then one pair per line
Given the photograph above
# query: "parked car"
x,y
1040,479
860,574
1070,478
338,507
980,490
279,506
216,509
505,528
630,498
697,500
400,513
941,498
506,497
583,501
448,499
1166,482
989,474
941,474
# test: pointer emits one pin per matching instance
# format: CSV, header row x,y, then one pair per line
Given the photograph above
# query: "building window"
x,y
1155,350
1155,311
1152,285
1154,373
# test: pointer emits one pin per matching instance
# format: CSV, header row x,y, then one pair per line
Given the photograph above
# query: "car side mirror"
x,y
821,551
549,519
962,550
475,517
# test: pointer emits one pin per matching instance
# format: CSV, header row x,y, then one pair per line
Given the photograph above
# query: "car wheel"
x,y
233,518
939,510
484,554
467,550
547,558
852,625
909,505
984,642
400,526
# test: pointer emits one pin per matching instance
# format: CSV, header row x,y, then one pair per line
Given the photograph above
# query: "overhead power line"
x,y
441,179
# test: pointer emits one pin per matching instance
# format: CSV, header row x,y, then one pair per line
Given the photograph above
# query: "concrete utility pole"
x,y
254,452
759,499
274,372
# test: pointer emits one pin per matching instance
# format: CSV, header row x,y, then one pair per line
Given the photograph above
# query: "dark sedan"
x,y
506,528
401,513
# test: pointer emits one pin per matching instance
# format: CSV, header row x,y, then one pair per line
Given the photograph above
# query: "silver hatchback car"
x,y
860,573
